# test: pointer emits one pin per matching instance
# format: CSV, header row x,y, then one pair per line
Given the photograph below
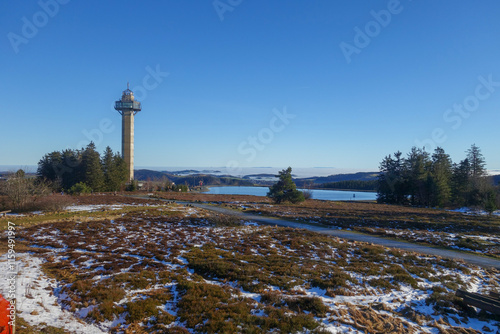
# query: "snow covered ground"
x,y
91,208
469,211
153,255
35,300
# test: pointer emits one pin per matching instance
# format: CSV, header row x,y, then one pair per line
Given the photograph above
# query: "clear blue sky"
x,y
358,88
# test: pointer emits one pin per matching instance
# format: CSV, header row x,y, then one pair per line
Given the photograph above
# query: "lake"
x,y
327,195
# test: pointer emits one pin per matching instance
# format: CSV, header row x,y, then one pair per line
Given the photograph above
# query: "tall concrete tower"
x,y
128,107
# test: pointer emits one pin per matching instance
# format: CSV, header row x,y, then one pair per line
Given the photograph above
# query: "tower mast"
x,y
128,107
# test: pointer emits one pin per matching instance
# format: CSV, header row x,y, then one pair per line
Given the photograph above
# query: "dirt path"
x,y
429,250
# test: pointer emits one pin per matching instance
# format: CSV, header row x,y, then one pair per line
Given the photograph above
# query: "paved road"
x,y
429,250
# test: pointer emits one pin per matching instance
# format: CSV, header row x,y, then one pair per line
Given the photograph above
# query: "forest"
x,y
84,170
351,185
434,180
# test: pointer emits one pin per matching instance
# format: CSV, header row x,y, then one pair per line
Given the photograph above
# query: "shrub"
x,y
136,280
335,280
142,309
82,286
210,308
307,193
381,283
132,186
310,304
80,188
406,278
162,319
221,220
285,322
109,310
271,298
51,203
104,293
21,192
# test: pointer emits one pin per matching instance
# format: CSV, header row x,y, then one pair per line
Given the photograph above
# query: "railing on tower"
x,y
136,105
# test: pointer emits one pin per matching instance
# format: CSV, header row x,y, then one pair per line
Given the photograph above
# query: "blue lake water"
x,y
327,195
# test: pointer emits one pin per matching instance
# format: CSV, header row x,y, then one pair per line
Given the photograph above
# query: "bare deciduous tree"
x,y
22,191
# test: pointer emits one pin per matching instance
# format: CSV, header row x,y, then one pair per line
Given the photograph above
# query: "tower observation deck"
x,y
128,107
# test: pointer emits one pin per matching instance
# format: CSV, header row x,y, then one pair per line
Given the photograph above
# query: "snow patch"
x,y
34,295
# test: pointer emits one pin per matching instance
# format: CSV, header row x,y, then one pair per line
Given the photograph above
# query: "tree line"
x,y
370,185
83,170
425,179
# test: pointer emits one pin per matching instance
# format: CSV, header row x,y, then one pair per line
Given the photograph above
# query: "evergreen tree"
x,y
477,162
436,181
417,167
460,182
121,170
114,169
478,185
391,187
70,171
386,188
285,189
48,168
441,173
79,188
107,168
91,168
490,204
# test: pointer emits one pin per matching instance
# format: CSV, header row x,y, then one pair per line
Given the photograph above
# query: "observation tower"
x,y
128,107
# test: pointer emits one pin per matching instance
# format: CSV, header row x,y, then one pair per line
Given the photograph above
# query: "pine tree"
x,y
70,169
107,168
460,182
121,170
387,179
49,166
391,187
441,173
490,203
285,189
436,181
478,184
91,168
417,167
477,162
115,170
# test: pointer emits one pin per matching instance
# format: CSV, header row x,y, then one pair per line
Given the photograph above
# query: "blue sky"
x,y
251,83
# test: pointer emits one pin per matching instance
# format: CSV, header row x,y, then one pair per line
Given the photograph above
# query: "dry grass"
x,y
422,225
158,266
365,318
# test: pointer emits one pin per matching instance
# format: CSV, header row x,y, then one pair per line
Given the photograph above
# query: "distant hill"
x,y
360,176
151,175
212,180
192,179
259,176
360,181
351,185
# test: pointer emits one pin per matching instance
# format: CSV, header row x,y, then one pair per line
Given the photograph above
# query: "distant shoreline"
x,y
312,188
318,194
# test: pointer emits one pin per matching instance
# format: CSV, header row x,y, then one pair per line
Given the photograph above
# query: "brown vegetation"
x,y
437,227
170,268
